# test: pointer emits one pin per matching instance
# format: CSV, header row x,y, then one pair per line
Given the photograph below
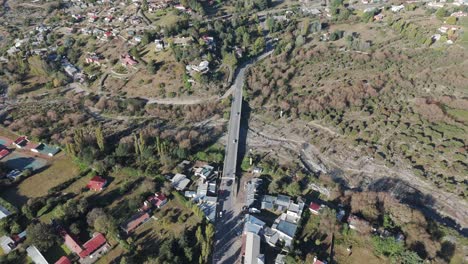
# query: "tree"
x,y
441,13
258,46
101,221
451,20
100,138
294,189
43,236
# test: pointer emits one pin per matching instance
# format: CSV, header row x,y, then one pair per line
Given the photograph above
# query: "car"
x,y
234,141
220,214
238,113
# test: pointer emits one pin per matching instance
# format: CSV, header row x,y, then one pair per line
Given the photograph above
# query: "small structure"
x,y
180,182
63,260
459,14
21,142
45,149
280,259
135,222
97,183
36,255
314,208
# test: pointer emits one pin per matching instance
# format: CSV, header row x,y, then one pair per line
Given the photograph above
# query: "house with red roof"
x,y
63,260
21,142
317,261
97,183
157,200
128,60
314,208
135,222
92,249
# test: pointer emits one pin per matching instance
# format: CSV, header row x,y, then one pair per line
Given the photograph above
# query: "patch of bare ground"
x,y
319,145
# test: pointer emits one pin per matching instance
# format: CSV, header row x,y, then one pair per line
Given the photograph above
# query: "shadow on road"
x,y
243,148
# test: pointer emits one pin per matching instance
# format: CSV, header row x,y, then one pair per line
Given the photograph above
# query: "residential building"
x,y
45,149
36,255
317,261
204,172
7,244
180,182
252,249
314,208
253,224
251,191
157,200
286,229
397,8
97,183
4,212
63,260
358,224
135,222
3,153
21,142
128,60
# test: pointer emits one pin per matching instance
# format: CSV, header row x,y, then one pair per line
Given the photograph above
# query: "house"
x,y
251,191
379,17
358,224
252,249
314,208
89,251
268,202
135,222
36,255
3,153
4,212
282,202
459,14
158,200
63,260
21,142
95,246
317,261
397,8
204,172
280,259
128,60
253,224
7,244
97,183
435,4
183,41
45,149
446,28
160,45
294,211
286,229
202,67
208,206
180,182
14,174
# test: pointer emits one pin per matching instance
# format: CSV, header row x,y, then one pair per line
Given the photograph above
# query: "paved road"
x,y
228,242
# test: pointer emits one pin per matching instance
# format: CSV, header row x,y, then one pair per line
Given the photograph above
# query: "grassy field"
x,y
61,168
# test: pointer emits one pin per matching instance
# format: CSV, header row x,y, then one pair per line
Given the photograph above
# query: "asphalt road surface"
x,y
229,222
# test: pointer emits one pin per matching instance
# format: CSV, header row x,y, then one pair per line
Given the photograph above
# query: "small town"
x,y
233,132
